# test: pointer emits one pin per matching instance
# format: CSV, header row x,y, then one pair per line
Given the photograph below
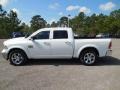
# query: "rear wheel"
x,y
17,57
88,57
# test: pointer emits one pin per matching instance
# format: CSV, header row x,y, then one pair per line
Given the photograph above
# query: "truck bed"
x,y
90,38
99,43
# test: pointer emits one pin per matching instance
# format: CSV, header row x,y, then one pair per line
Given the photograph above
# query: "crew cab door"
x,y
41,45
61,45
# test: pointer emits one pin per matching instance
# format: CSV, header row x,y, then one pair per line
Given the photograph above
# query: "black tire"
x,y
88,57
17,57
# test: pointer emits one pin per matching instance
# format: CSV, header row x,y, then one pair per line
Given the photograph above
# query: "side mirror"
x,y
33,38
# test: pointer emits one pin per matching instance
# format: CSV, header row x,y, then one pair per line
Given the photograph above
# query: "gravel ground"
x,y
62,74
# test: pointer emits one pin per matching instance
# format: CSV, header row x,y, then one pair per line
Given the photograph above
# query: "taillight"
x,y
110,45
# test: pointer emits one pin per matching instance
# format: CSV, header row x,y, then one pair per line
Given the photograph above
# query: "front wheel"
x,y
17,57
88,57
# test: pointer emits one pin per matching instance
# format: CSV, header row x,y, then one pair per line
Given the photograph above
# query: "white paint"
x,y
56,48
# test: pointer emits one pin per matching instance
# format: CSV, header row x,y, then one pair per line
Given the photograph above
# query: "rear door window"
x,y
61,34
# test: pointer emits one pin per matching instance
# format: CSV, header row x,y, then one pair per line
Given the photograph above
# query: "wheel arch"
x,y
88,48
16,48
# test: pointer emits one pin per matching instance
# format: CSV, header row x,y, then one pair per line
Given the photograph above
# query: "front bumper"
x,y
109,52
4,54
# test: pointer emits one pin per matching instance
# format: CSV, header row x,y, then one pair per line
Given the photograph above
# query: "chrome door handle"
x,y
47,43
68,42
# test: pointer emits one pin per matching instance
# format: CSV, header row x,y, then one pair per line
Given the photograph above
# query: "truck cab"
x,y
52,43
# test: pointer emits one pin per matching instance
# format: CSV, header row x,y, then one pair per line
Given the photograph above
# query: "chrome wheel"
x,y
89,58
17,58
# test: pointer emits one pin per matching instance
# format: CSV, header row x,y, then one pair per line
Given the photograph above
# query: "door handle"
x,y
69,43
47,43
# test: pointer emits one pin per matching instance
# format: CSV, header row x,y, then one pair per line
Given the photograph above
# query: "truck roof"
x,y
57,28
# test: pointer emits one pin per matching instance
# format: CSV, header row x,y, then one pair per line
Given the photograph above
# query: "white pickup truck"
x,y
53,43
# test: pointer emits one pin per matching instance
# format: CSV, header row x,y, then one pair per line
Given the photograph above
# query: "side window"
x,y
61,34
43,35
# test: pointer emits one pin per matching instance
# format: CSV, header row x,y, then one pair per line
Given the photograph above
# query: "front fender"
x,y
20,47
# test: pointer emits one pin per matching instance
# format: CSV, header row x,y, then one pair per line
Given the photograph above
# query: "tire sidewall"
x,y
20,52
82,57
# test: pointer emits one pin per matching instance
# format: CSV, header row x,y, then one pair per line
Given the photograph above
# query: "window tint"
x,y
43,35
60,34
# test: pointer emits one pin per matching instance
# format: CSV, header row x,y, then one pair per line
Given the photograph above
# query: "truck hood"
x,y
15,41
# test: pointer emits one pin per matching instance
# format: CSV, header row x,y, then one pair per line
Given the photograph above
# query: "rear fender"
x,y
86,46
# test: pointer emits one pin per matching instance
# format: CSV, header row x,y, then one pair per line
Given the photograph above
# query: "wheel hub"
x,y
17,58
89,58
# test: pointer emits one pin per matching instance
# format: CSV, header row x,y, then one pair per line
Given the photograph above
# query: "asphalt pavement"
x,y
62,74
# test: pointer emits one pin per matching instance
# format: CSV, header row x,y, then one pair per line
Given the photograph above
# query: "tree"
x,y
48,25
2,12
78,23
3,19
81,24
9,23
94,29
115,22
37,22
54,24
63,21
13,22
115,14
25,28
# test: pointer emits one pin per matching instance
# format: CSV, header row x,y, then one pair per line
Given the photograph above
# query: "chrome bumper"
x,y
109,53
4,54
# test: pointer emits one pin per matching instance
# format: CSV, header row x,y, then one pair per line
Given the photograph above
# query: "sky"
x,y
52,10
